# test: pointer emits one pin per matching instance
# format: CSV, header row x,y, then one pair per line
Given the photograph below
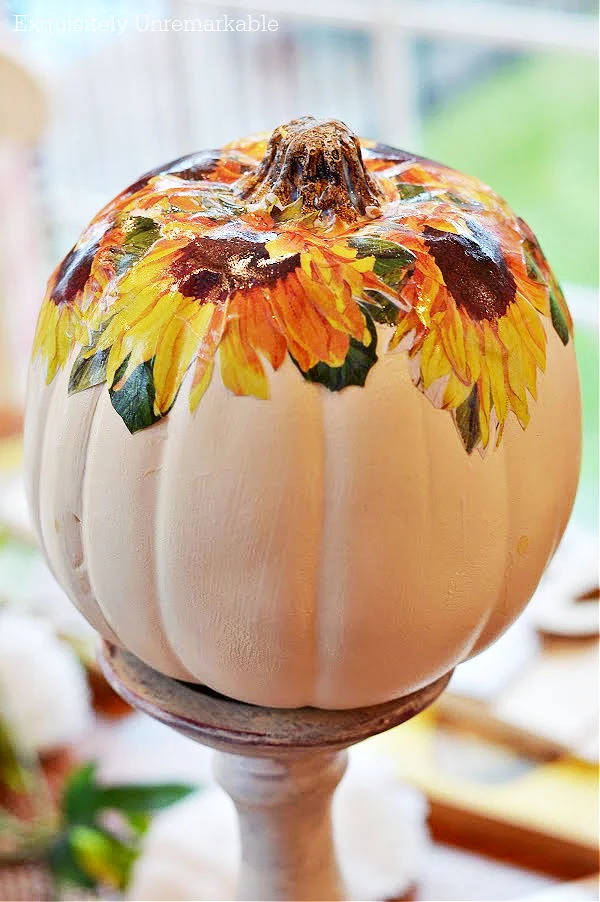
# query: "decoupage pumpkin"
x,y
303,419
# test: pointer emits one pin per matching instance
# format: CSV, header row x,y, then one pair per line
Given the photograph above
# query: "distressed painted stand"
x,y
280,767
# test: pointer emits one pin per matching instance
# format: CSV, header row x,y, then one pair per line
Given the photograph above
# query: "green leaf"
x,y
86,854
407,190
141,233
464,203
392,272
371,246
380,308
558,320
88,370
66,868
102,857
355,368
144,799
134,402
18,767
81,800
467,420
138,822
393,263
533,270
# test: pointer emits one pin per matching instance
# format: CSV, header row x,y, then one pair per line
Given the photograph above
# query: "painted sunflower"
x,y
315,249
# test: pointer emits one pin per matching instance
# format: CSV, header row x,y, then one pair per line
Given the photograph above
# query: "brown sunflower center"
x,y
211,267
73,273
318,162
474,270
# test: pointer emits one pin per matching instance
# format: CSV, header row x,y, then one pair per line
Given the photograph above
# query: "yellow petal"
x,y
434,362
514,356
349,253
455,392
485,400
520,408
452,334
364,264
473,351
532,330
202,376
495,367
282,246
176,348
241,369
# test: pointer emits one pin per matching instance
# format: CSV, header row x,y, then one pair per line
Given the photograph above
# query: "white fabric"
x,y
192,850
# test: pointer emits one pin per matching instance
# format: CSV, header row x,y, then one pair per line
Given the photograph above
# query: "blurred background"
x,y
506,90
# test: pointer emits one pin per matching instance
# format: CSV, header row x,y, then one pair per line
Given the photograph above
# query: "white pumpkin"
x,y
241,525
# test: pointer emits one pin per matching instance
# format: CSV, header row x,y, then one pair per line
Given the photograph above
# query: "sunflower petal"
x,y
532,330
472,338
452,334
241,369
495,366
515,366
434,363
485,401
455,393
520,408
175,351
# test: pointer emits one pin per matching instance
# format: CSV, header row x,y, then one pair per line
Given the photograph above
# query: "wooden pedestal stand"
x,y
280,767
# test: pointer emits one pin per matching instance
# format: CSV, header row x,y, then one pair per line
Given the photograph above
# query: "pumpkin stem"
x,y
318,165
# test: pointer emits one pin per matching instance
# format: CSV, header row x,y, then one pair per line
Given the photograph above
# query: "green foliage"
x,y
380,308
558,320
86,853
88,370
408,191
141,233
77,842
16,765
102,857
355,368
467,420
134,401
393,263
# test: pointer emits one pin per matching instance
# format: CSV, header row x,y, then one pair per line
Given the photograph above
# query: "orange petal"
x,y
341,312
310,338
263,332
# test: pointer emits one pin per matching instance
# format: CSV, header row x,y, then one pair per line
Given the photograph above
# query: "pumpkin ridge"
x,y
87,598
101,402
160,601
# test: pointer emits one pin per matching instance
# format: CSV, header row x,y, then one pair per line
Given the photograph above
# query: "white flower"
x,y
192,851
43,691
